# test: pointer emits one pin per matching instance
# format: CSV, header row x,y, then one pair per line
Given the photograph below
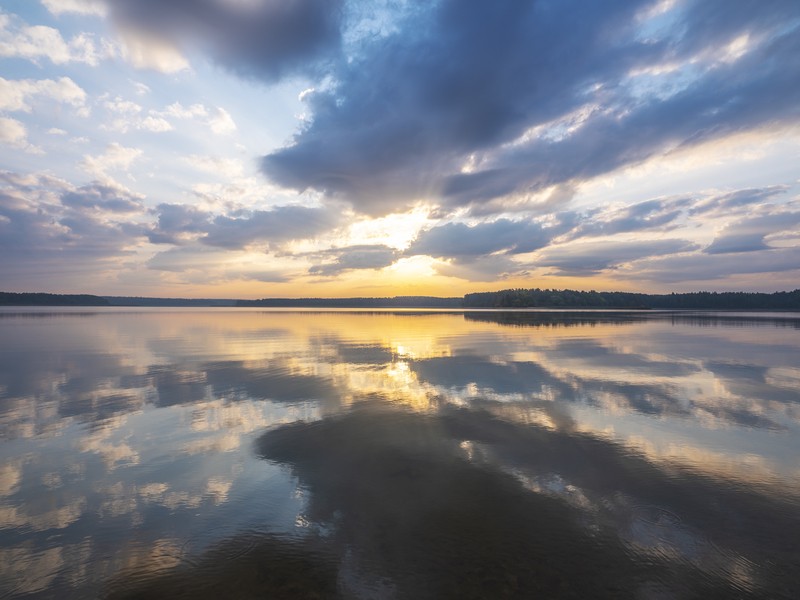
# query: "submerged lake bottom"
x,y
250,453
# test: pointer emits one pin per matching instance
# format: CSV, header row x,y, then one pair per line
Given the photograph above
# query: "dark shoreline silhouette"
x,y
512,298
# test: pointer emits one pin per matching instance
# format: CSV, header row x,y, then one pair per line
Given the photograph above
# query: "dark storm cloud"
x,y
593,257
362,256
724,102
265,39
456,78
459,81
178,223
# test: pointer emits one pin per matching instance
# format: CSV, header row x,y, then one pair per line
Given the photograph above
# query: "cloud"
x,y
467,104
82,7
180,111
710,267
16,95
19,40
747,235
221,122
725,102
594,240
266,39
492,268
141,88
97,196
670,213
148,52
485,120
116,157
588,258
203,265
217,118
121,106
464,242
657,214
275,226
129,115
183,259
154,124
13,133
178,224
50,230
736,201
225,167
362,256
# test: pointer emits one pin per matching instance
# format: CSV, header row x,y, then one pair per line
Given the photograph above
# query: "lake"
x,y
216,453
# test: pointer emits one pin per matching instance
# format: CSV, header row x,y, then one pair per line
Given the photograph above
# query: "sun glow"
x,y
396,230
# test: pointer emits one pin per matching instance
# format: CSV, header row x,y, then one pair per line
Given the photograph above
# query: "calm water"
x,y
238,453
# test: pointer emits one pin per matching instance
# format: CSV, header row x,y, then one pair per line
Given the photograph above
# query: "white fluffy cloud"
x,y
216,118
221,122
225,167
154,124
13,133
127,115
17,95
179,111
83,7
36,42
116,157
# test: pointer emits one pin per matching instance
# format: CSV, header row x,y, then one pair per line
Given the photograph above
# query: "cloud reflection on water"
x,y
457,504
667,440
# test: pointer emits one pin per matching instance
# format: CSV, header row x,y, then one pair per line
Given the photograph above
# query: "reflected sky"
x,y
389,453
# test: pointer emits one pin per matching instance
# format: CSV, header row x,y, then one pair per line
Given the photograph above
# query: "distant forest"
x,y
395,302
139,301
40,299
538,298
522,298
513,298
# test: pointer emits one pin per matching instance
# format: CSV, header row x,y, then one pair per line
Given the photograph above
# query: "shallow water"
x,y
408,454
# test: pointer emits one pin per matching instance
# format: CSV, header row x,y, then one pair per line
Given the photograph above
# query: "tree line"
x,y
511,298
42,299
393,302
546,298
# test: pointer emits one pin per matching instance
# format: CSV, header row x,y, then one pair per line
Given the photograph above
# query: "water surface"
x,y
399,454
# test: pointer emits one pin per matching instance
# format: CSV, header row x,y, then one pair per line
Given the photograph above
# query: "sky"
x,y
288,148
